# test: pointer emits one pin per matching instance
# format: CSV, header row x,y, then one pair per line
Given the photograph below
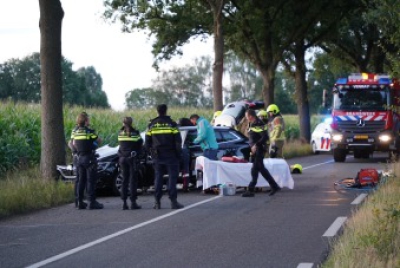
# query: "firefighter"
x,y
85,142
164,143
263,116
130,147
258,136
216,114
276,128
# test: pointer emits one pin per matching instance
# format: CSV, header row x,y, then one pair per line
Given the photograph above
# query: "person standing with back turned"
x,y
258,135
164,143
130,146
84,142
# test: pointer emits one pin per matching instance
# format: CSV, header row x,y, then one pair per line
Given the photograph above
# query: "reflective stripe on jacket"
x,y
129,142
277,129
258,133
163,135
84,139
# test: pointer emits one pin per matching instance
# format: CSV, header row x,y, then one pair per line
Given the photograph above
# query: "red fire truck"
x,y
366,115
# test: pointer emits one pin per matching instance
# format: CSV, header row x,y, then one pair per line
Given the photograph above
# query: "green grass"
x,y
25,191
371,238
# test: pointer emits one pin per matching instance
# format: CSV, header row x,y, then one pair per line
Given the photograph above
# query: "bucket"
x,y
229,189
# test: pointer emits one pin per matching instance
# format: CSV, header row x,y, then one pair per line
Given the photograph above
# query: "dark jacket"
x,y
128,142
84,140
258,133
163,138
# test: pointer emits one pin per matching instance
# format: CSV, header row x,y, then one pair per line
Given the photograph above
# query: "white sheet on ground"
x,y
218,172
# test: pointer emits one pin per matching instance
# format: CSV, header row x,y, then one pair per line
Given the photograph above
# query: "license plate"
x,y
361,137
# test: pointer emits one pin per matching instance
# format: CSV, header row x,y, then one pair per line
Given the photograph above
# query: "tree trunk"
x,y
218,66
52,123
268,77
303,106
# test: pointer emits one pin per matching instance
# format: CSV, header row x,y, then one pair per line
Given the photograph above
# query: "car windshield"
x,y
366,99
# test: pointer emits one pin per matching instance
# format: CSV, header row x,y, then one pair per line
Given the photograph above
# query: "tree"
x,y
173,23
386,16
93,83
180,86
52,122
323,74
20,81
360,40
6,81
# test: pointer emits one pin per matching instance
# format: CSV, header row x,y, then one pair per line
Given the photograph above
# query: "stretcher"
x,y
219,172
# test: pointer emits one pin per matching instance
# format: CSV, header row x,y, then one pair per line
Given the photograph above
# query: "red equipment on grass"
x,y
367,176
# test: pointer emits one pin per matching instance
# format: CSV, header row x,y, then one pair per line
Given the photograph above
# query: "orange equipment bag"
x,y
367,176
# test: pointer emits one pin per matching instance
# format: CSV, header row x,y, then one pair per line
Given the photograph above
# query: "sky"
x,y
123,60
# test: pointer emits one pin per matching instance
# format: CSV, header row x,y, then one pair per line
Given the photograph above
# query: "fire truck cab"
x,y
365,115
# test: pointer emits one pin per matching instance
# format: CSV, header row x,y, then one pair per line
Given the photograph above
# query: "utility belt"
x,y
86,153
128,153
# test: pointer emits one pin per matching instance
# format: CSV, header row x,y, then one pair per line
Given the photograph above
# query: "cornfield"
x,y
20,128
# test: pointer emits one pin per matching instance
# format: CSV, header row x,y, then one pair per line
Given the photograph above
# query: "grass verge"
x,y
25,191
371,238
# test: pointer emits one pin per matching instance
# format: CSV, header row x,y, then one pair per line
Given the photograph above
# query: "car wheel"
x,y
339,155
117,185
314,148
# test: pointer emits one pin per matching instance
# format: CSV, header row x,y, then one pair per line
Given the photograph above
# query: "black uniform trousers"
x,y
170,163
87,172
258,166
76,184
129,170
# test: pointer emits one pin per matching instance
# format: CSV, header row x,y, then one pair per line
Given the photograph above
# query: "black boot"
x,y
176,205
134,205
95,205
82,205
274,190
125,205
157,204
248,194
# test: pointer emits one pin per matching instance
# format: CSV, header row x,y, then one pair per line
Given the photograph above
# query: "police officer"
x,y
75,160
164,142
130,146
258,135
85,143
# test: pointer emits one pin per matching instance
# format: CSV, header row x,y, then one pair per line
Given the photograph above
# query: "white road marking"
x,y
359,199
305,265
323,163
320,164
111,236
335,227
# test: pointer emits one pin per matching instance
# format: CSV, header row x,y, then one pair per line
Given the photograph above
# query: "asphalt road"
x,y
285,230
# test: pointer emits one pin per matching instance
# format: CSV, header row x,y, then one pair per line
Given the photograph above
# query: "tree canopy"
x,y
20,81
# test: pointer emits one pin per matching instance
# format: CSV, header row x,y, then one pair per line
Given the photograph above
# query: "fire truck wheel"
x,y
365,154
357,153
339,155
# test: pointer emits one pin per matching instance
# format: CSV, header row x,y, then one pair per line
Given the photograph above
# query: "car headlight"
x,y
385,138
337,137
